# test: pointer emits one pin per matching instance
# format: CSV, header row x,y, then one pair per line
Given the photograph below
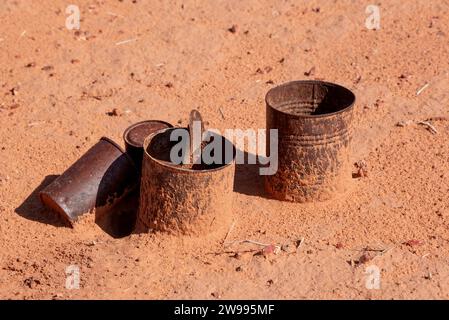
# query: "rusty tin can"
x,y
183,199
135,135
313,119
104,174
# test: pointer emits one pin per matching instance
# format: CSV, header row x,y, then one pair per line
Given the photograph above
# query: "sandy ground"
x,y
57,87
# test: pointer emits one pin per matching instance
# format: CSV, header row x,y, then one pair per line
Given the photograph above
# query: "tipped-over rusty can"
x,y
104,174
184,198
135,135
313,119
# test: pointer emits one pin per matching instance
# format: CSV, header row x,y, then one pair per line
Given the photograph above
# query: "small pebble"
x,y
233,29
309,73
113,113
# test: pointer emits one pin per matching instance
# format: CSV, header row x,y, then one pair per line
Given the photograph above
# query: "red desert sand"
x,y
62,90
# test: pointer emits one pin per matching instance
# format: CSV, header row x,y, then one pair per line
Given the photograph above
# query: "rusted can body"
x,y
182,199
135,135
101,176
313,119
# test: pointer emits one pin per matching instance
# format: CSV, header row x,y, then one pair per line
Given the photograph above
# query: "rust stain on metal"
x,y
135,135
182,199
96,180
313,119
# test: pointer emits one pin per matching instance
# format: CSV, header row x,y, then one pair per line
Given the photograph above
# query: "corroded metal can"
x,y
180,198
135,135
104,174
313,119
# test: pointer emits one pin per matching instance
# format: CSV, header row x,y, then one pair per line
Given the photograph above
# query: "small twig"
x,y
36,123
429,126
255,242
125,41
233,252
222,114
373,250
229,231
380,252
422,89
425,123
368,249
437,119
386,250
249,241
114,14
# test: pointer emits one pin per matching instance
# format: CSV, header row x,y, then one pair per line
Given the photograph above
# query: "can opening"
x,y
218,152
310,98
52,205
136,134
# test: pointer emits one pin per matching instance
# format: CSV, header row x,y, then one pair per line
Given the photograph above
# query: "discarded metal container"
x,y
102,175
313,119
135,135
184,198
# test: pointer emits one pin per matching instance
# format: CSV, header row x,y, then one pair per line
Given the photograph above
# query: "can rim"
x,y
180,169
127,130
54,206
312,116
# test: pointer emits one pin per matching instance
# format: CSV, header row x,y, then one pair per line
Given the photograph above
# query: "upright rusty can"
x,y
313,119
135,135
183,199
102,175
